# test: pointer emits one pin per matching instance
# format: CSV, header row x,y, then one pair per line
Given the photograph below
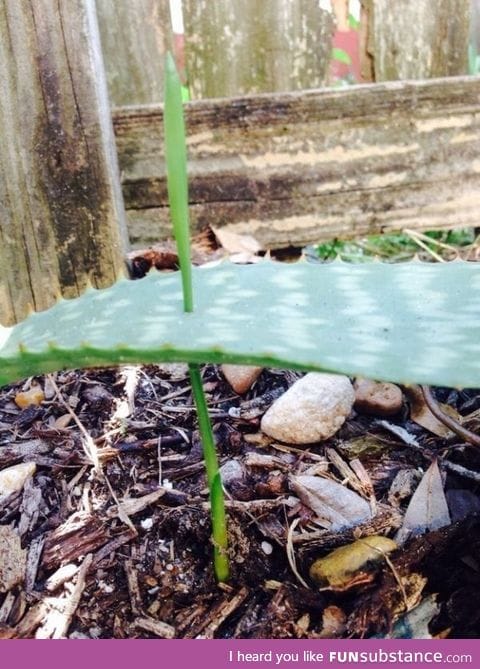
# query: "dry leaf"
x,y
337,507
428,509
421,414
235,244
338,568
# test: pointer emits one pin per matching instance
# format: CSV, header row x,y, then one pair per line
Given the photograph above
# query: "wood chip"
x,y
31,620
133,587
64,621
33,560
157,627
31,501
6,607
78,535
61,576
214,617
132,505
12,559
13,452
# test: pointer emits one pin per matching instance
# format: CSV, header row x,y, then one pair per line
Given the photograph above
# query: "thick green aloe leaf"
x,y
411,322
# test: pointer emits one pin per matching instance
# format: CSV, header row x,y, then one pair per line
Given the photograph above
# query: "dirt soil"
x,y
100,565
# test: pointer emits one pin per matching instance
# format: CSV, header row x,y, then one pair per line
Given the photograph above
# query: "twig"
x,y
88,444
462,432
122,514
460,471
424,246
430,240
410,441
291,553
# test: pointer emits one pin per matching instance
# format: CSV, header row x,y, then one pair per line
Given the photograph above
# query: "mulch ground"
x,y
123,550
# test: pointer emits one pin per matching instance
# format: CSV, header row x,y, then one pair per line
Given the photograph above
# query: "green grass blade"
x,y
176,168
219,521
177,182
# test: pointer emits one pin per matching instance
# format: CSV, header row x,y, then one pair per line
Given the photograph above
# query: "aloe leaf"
x,y
409,323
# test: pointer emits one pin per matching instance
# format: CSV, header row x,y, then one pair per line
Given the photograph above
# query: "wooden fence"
x,y
288,167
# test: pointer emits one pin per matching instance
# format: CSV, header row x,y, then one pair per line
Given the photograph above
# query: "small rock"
x,y
338,568
98,397
32,397
232,471
241,377
176,371
377,399
12,479
13,559
311,410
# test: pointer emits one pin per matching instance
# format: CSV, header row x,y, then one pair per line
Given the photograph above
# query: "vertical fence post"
x,y
61,211
416,39
134,39
235,48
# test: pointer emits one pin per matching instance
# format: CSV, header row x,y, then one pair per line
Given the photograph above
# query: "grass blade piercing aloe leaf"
x,y
409,323
177,180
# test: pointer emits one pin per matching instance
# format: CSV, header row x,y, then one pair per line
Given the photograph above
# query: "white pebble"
x,y
267,548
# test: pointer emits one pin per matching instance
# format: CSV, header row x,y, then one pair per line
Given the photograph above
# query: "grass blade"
x,y
217,504
177,181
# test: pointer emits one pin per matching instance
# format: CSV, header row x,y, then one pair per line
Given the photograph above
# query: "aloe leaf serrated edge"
x,y
407,323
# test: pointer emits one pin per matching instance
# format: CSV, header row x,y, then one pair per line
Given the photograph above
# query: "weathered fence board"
x,y
417,39
241,47
60,201
133,36
300,167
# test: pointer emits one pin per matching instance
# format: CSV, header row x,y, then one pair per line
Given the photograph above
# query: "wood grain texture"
x,y
133,37
302,167
62,223
241,47
417,39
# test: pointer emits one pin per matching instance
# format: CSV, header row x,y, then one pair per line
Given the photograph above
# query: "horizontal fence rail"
x,y
295,168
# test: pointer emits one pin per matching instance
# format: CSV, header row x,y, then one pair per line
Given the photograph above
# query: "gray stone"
x,y
232,471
